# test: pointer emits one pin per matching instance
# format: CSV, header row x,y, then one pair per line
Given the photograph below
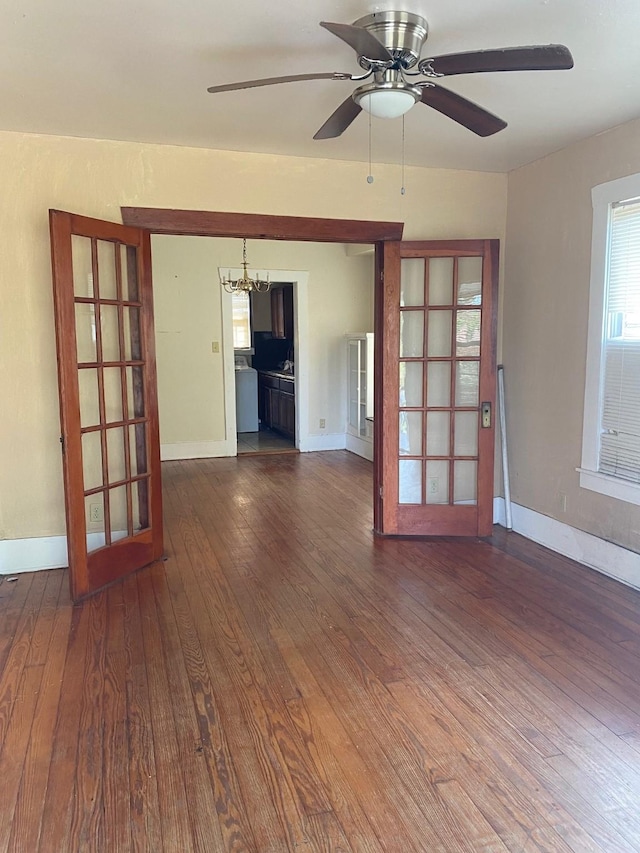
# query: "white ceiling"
x,y
139,70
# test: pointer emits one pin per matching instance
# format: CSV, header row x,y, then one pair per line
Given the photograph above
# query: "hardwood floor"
x,y
285,682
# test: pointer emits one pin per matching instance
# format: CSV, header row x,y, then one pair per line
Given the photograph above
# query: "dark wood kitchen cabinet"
x,y
282,312
287,408
277,402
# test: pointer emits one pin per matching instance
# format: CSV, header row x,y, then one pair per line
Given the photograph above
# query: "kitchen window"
x,y
241,318
611,430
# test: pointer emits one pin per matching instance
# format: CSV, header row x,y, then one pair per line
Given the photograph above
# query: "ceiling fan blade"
x,y
339,120
270,81
540,57
361,40
465,112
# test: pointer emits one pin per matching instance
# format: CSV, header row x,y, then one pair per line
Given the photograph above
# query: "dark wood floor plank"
x,y
191,760
337,758
24,620
13,596
27,819
87,808
144,802
225,788
15,747
241,704
60,805
447,751
117,782
172,797
254,607
285,681
567,808
421,808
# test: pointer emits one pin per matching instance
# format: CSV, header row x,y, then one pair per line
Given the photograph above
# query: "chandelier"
x,y
245,284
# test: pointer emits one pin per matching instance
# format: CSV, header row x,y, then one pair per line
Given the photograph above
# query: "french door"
x,y
108,402
437,308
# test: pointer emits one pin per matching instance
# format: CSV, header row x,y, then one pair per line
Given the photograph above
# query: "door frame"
x,y
204,223
300,281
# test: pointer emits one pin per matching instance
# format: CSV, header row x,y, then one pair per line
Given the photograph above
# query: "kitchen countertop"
x,y
279,373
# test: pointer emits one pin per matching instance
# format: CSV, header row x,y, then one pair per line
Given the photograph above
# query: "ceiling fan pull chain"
x,y
369,176
402,189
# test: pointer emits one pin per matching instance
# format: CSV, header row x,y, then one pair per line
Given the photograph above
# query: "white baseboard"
x,y
31,555
595,553
43,552
50,552
499,512
333,441
196,450
360,446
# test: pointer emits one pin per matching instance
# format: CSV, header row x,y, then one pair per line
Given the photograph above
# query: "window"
x,y
241,317
611,437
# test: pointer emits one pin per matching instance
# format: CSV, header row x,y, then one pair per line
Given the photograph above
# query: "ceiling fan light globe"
x,y
387,103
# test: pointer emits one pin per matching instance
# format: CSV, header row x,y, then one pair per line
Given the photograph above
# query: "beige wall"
x,y
188,313
95,178
546,301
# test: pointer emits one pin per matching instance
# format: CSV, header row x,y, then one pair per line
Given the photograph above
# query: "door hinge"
x,y
380,492
62,443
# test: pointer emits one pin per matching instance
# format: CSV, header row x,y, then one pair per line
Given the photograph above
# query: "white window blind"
x,y
620,414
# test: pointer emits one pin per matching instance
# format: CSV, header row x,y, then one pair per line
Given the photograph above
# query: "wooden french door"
x,y
438,304
108,399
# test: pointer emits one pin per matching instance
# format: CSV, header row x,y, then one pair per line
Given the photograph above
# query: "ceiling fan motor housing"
x,y
402,33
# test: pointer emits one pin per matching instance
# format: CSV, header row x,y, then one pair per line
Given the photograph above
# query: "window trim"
x,y
602,197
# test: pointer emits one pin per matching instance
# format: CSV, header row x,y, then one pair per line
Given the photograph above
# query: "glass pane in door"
x,y
411,383
94,519
107,279
437,491
465,479
440,281
410,481
89,399
412,334
82,266
85,332
438,433
466,434
412,281
469,281
439,334
92,460
468,333
439,383
118,514
410,434
467,383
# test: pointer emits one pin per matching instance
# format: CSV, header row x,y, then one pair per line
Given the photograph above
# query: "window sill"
x,y
610,486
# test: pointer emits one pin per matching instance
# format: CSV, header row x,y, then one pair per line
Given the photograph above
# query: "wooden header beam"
x,y
203,223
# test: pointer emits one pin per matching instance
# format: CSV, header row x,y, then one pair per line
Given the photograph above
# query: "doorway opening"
x,y
265,372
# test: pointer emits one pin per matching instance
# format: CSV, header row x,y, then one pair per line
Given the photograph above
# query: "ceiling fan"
x,y
388,45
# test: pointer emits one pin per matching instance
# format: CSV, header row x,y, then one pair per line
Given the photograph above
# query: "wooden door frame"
x,y
205,223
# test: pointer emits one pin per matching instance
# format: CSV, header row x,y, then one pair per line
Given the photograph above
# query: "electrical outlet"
x,y
433,485
563,502
323,423
96,512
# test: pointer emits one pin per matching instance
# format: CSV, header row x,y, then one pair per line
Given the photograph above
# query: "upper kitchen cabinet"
x,y
282,311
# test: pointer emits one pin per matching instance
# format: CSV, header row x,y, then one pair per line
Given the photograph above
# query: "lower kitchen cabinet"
x,y
277,403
